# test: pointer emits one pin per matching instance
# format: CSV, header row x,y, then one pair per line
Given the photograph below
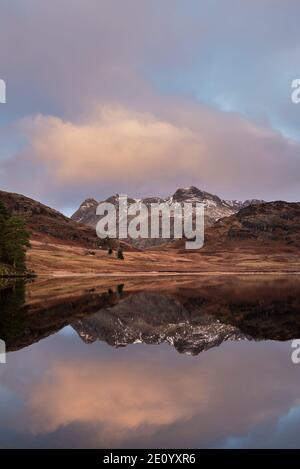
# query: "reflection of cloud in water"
x,y
284,433
159,400
116,395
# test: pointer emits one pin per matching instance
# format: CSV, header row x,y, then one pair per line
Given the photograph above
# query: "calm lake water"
x,y
177,363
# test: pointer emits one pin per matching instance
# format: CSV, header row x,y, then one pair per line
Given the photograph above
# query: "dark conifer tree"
x,y
14,239
16,242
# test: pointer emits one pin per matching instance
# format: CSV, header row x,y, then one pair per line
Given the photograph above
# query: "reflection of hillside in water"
x,y
192,316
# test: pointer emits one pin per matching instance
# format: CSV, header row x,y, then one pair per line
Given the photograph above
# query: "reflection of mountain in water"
x,y
152,318
191,316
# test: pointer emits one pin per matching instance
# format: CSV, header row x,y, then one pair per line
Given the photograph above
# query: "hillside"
x,y
265,223
50,226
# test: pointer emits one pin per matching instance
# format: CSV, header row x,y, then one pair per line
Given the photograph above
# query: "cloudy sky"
x,y
141,97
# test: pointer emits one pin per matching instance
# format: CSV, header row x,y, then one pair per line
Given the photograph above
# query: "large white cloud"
x,y
128,151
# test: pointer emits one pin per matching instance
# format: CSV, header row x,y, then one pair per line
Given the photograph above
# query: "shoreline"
x,y
157,273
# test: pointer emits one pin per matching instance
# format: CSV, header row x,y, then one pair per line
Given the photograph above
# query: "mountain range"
x,y
215,209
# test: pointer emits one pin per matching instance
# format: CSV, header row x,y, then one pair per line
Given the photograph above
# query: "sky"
x,y
141,97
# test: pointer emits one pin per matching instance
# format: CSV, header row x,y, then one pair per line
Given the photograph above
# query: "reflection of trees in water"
x,y
12,317
120,289
23,324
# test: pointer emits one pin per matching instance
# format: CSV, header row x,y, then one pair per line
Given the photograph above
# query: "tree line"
x,y
14,239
